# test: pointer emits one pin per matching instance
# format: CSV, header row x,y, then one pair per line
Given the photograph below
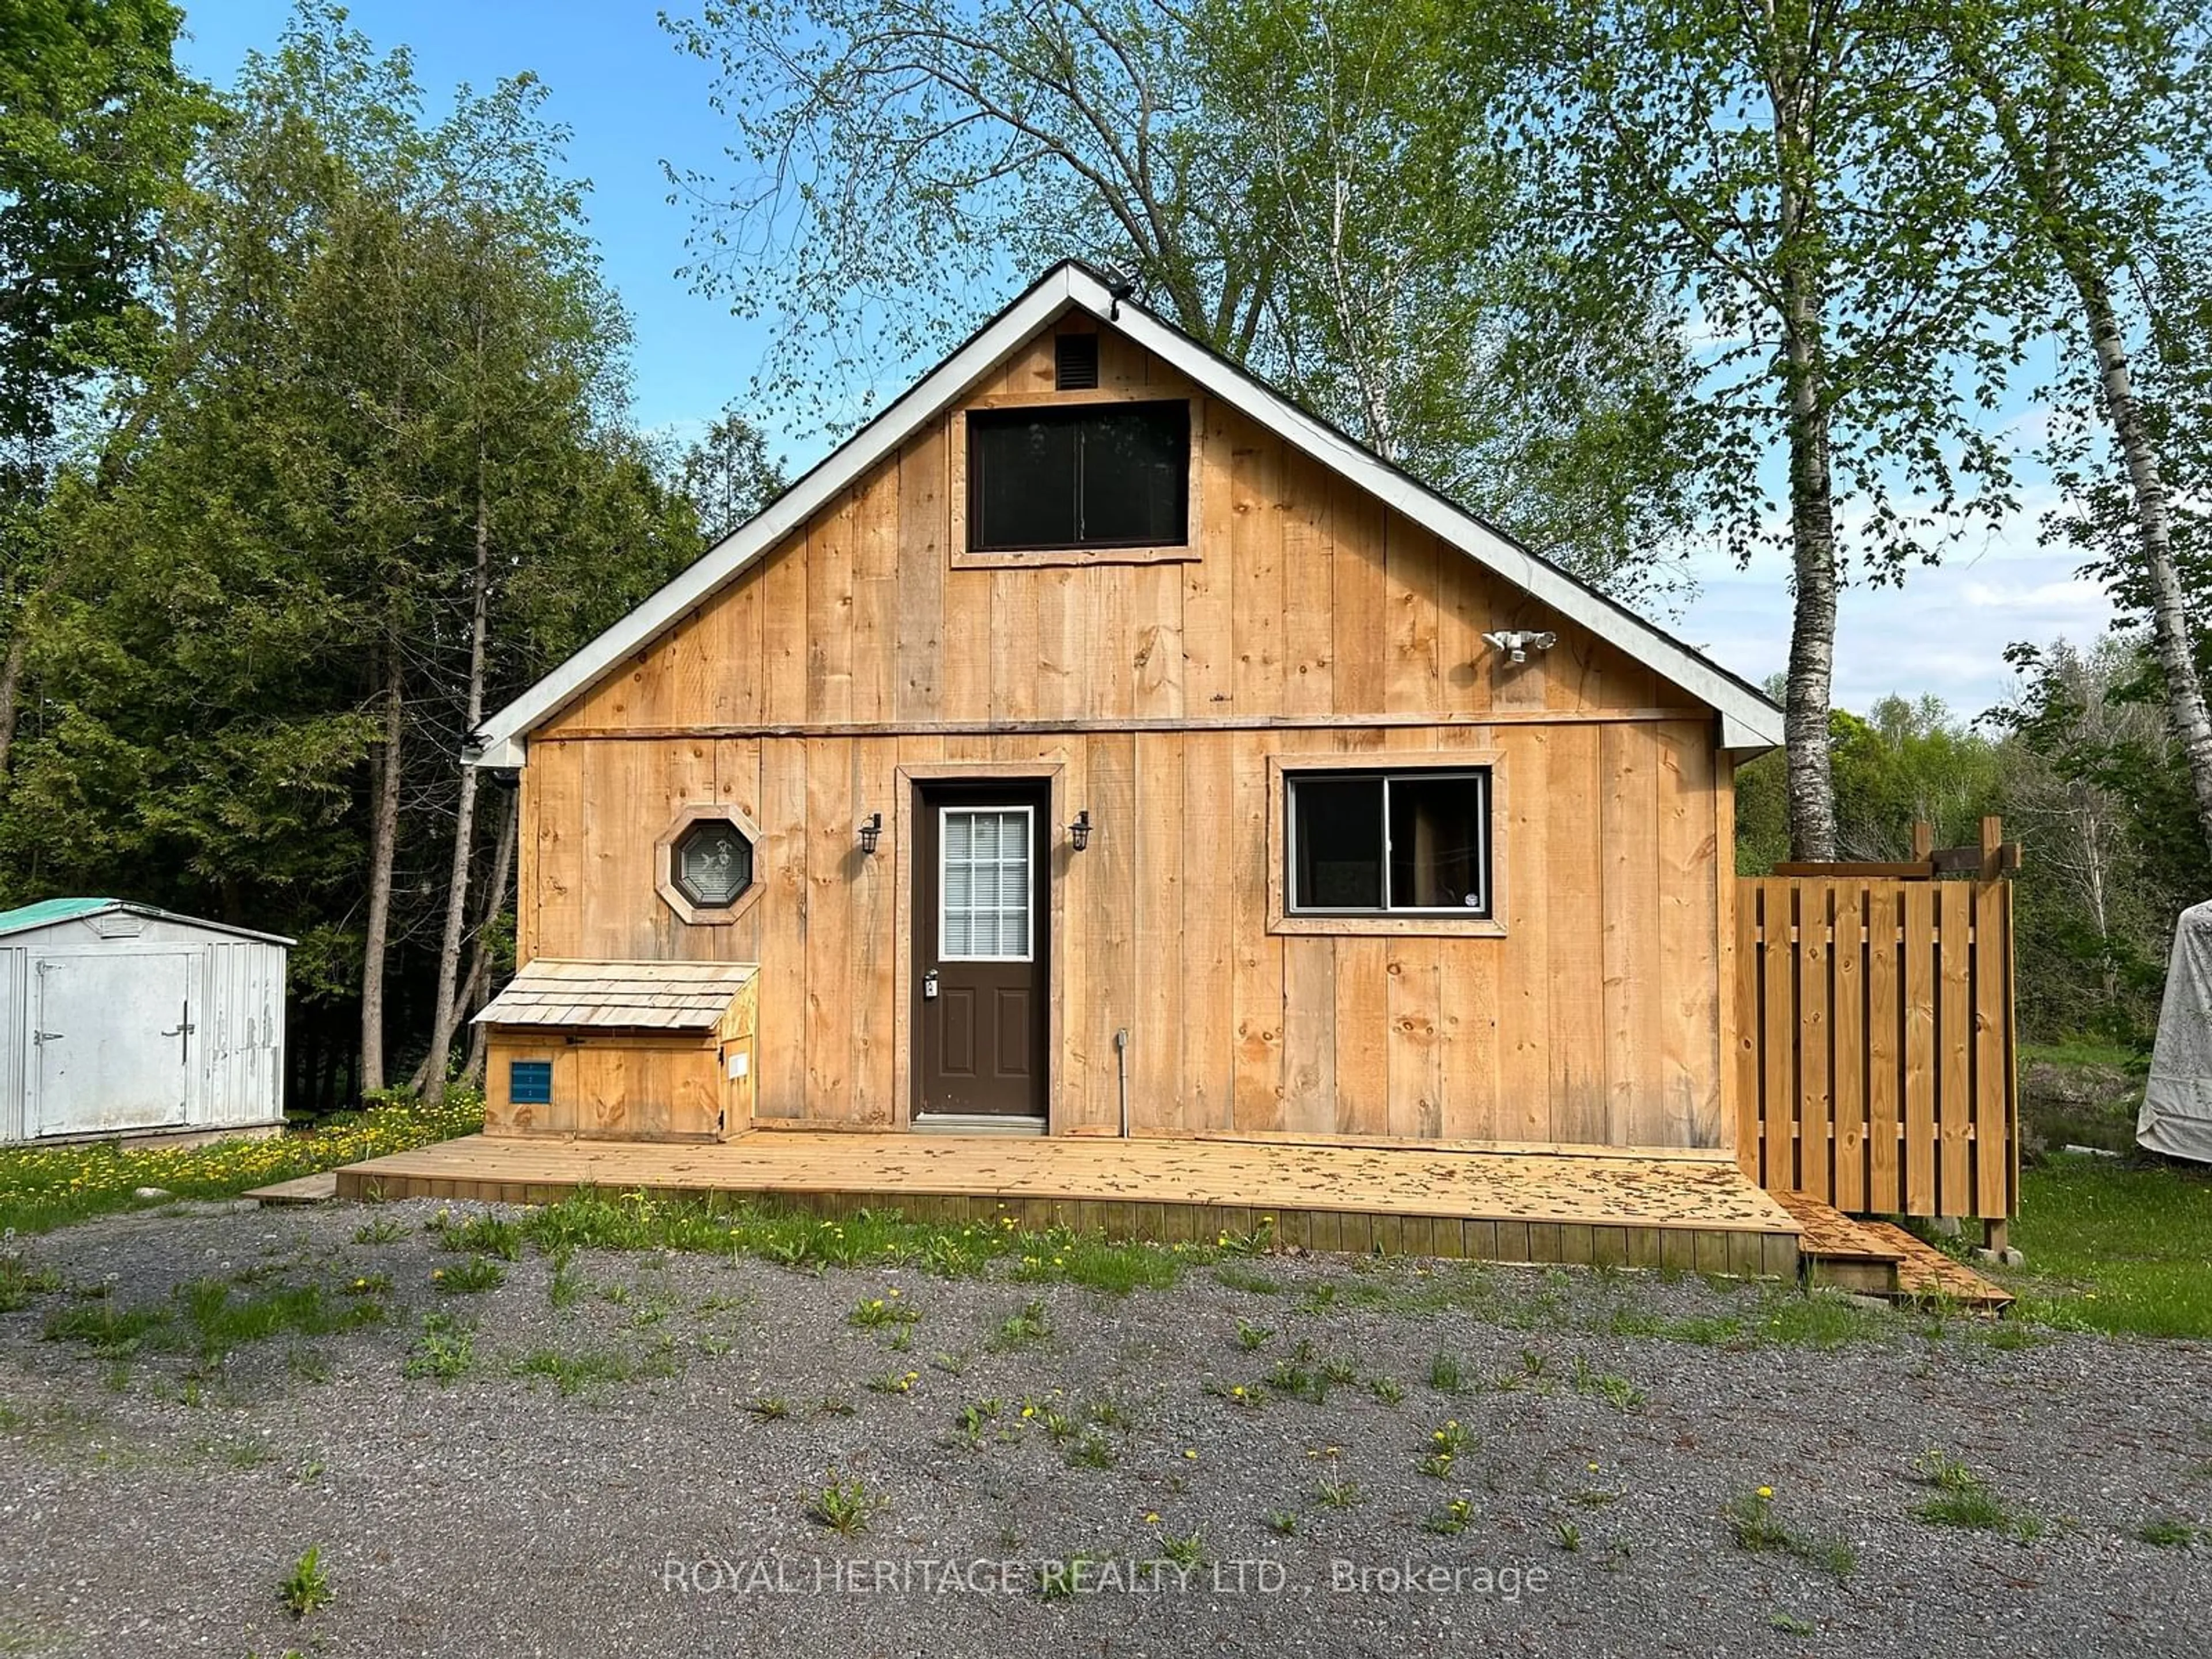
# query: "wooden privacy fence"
x,y
1874,1042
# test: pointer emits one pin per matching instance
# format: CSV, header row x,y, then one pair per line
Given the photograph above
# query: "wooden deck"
x,y
1695,1213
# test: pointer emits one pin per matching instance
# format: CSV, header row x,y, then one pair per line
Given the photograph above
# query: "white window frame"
x,y
1029,865
1480,775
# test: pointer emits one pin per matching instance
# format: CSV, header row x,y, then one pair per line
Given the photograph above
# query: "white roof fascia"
x,y
1748,722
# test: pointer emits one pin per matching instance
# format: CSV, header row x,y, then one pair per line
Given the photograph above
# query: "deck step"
x,y
318,1189
1833,1250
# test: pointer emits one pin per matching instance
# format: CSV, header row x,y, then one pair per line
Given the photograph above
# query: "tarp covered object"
x,y
2177,1108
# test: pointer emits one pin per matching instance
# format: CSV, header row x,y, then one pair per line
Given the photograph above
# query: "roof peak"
x,y
1749,720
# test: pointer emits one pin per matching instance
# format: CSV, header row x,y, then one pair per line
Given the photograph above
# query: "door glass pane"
x,y
984,892
1337,827
1436,844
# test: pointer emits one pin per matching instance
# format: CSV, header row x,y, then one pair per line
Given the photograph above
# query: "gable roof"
x,y
1749,721
46,912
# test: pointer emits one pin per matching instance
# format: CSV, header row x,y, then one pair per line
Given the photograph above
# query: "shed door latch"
x,y
183,1028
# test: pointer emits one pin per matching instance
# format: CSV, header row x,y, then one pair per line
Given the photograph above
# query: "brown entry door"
x,y
981,947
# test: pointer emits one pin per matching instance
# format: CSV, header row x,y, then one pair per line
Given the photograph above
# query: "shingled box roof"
x,y
657,996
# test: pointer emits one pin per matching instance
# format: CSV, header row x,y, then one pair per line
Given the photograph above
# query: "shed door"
x,y
114,1042
980,951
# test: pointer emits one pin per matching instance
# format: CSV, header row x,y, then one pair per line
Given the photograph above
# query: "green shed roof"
x,y
46,912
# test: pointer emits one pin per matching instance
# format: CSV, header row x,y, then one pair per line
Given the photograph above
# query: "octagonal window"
x,y
713,863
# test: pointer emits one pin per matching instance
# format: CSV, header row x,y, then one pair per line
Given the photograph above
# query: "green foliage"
x,y
1963,1500
1319,188
96,123
382,340
845,1507
445,1351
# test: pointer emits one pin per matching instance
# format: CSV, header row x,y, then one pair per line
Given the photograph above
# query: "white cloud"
x,y
1943,630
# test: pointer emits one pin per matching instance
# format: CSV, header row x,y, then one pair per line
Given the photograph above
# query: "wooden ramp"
x,y
318,1189
1697,1213
1925,1272
1881,1259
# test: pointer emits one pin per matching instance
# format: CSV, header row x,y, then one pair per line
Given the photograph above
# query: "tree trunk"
x,y
445,1011
478,984
11,686
1811,783
383,847
2177,661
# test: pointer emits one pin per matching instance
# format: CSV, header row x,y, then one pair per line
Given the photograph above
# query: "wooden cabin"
x,y
1097,744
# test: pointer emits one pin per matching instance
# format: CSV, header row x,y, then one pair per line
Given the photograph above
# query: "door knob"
x,y
929,985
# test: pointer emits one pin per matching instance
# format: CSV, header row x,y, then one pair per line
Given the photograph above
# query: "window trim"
x,y
1452,923
961,556
664,865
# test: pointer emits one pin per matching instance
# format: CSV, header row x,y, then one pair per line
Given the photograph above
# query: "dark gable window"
x,y
1079,476
1366,843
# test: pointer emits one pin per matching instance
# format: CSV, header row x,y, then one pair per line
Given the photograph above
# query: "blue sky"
x,y
633,101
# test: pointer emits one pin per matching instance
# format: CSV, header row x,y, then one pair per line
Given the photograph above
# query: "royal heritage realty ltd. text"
x,y
1089,1576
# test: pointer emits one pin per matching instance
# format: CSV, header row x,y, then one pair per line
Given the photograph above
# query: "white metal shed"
x,y
121,1019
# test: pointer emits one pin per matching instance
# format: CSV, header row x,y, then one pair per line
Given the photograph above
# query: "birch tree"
x,y
2098,119
1784,165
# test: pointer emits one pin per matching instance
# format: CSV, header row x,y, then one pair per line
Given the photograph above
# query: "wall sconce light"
x,y
1079,833
871,827
1517,645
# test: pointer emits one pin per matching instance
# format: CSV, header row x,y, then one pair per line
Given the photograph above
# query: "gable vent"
x,y
1075,361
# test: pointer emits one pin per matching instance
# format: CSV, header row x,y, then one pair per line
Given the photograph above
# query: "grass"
x,y
307,1586
573,1373
1024,1328
2168,1533
19,1284
1093,1451
2113,1248
478,1272
483,1235
845,1507
1963,1500
591,1219
1751,1518
209,1319
445,1351
1452,1520
42,1187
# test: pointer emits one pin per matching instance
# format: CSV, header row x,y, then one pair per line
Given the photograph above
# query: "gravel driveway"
x,y
627,1463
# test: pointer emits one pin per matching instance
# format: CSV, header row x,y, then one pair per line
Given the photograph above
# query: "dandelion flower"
x,y
1766,1492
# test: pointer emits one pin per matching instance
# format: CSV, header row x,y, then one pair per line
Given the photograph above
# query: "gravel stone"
x,y
144,1512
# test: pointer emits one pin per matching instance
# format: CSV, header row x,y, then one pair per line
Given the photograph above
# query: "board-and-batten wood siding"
x,y
1312,622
